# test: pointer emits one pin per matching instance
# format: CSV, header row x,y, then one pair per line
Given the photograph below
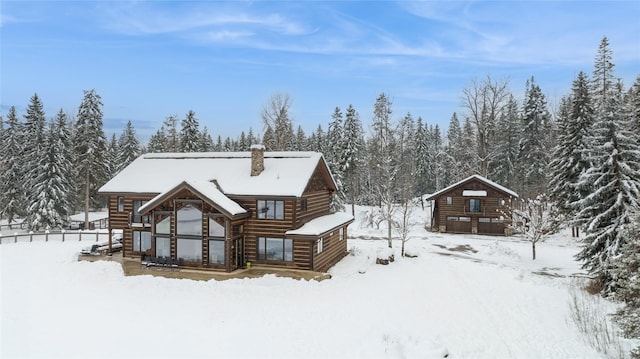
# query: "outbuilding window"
x,y
449,201
474,205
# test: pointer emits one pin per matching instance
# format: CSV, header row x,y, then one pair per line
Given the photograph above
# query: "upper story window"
x,y
137,217
303,205
162,222
449,201
320,245
216,229
120,204
474,205
189,220
268,209
501,202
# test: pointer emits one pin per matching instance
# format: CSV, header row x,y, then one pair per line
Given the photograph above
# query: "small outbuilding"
x,y
474,205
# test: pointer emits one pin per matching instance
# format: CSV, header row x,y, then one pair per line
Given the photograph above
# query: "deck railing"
x,y
54,236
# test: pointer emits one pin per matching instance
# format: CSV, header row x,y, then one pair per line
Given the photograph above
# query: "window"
x,y
464,219
484,220
474,205
141,241
449,201
163,247
238,230
162,222
501,202
216,229
275,249
190,249
120,204
341,235
452,219
189,221
320,245
137,217
216,251
303,205
270,209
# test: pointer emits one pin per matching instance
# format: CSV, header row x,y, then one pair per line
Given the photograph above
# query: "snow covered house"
x,y
220,210
474,205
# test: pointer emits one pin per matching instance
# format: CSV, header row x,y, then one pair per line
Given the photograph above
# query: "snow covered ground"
x,y
465,295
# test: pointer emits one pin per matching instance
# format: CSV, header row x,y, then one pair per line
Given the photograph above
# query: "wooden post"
x,y
30,236
63,234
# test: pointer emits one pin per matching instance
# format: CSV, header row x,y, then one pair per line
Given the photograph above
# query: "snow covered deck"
x,y
322,225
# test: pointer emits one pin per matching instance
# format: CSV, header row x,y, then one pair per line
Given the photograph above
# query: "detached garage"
x,y
474,205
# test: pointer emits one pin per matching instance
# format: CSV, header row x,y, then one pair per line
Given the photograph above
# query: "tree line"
x,y
584,155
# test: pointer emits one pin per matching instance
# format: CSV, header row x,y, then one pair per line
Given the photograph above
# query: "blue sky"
x,y
223,60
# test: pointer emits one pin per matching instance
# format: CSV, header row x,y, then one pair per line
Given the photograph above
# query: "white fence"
x,y
54,236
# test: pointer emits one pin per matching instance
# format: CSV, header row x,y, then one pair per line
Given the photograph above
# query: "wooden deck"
x,y
133,267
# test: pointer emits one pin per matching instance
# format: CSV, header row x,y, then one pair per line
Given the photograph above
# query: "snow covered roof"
x,y
285,173
470,178
205,190
321,225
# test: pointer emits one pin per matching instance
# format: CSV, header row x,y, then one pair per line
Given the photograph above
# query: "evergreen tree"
x,y
438,160
613,181
405,139
504,163
12,198
570,155
218,146
627,274
533,156
335,158
353,155
128,146
171,135
453,168
318,140
51,207
112,157
301,140
34,140
190,138
268,139
243,144
90,146
422,157
603,76
632,101
206,141
158,142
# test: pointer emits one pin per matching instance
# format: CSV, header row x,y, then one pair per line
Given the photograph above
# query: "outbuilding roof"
x,y
285,173
488,182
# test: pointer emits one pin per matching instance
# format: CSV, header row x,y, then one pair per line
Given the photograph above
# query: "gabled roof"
x,y
321,225
207,191
489,183
285,173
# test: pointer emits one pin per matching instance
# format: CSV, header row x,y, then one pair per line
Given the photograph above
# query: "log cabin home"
x,y
474,205
221,210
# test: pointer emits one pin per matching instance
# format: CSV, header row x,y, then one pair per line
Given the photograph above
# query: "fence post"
x,y
96,236
62,234
0,238
46,235
80,235
30,236
15,237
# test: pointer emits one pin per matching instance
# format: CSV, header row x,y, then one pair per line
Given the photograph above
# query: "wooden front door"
x,y
237,253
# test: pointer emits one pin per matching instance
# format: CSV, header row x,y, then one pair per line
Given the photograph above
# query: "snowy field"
x,y
465,295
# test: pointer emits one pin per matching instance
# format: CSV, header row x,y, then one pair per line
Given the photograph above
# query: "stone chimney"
x,y
257,159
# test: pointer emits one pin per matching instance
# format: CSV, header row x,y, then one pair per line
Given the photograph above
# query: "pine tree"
x,y
422,157
353,155
603,76
190,139
243,144
112,157
51,207
12,190
206,141
171,135
632,101
533,156
268,139
301,140
34,140
275,116
90,146
158,142
504,163
405,139
627,274
613,181
570,155
128,146
335,158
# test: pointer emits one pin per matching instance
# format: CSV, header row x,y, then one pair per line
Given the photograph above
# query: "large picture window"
x,y
189,249
141,241
474,205
163,247
189,221
216,251
270,209
275,249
